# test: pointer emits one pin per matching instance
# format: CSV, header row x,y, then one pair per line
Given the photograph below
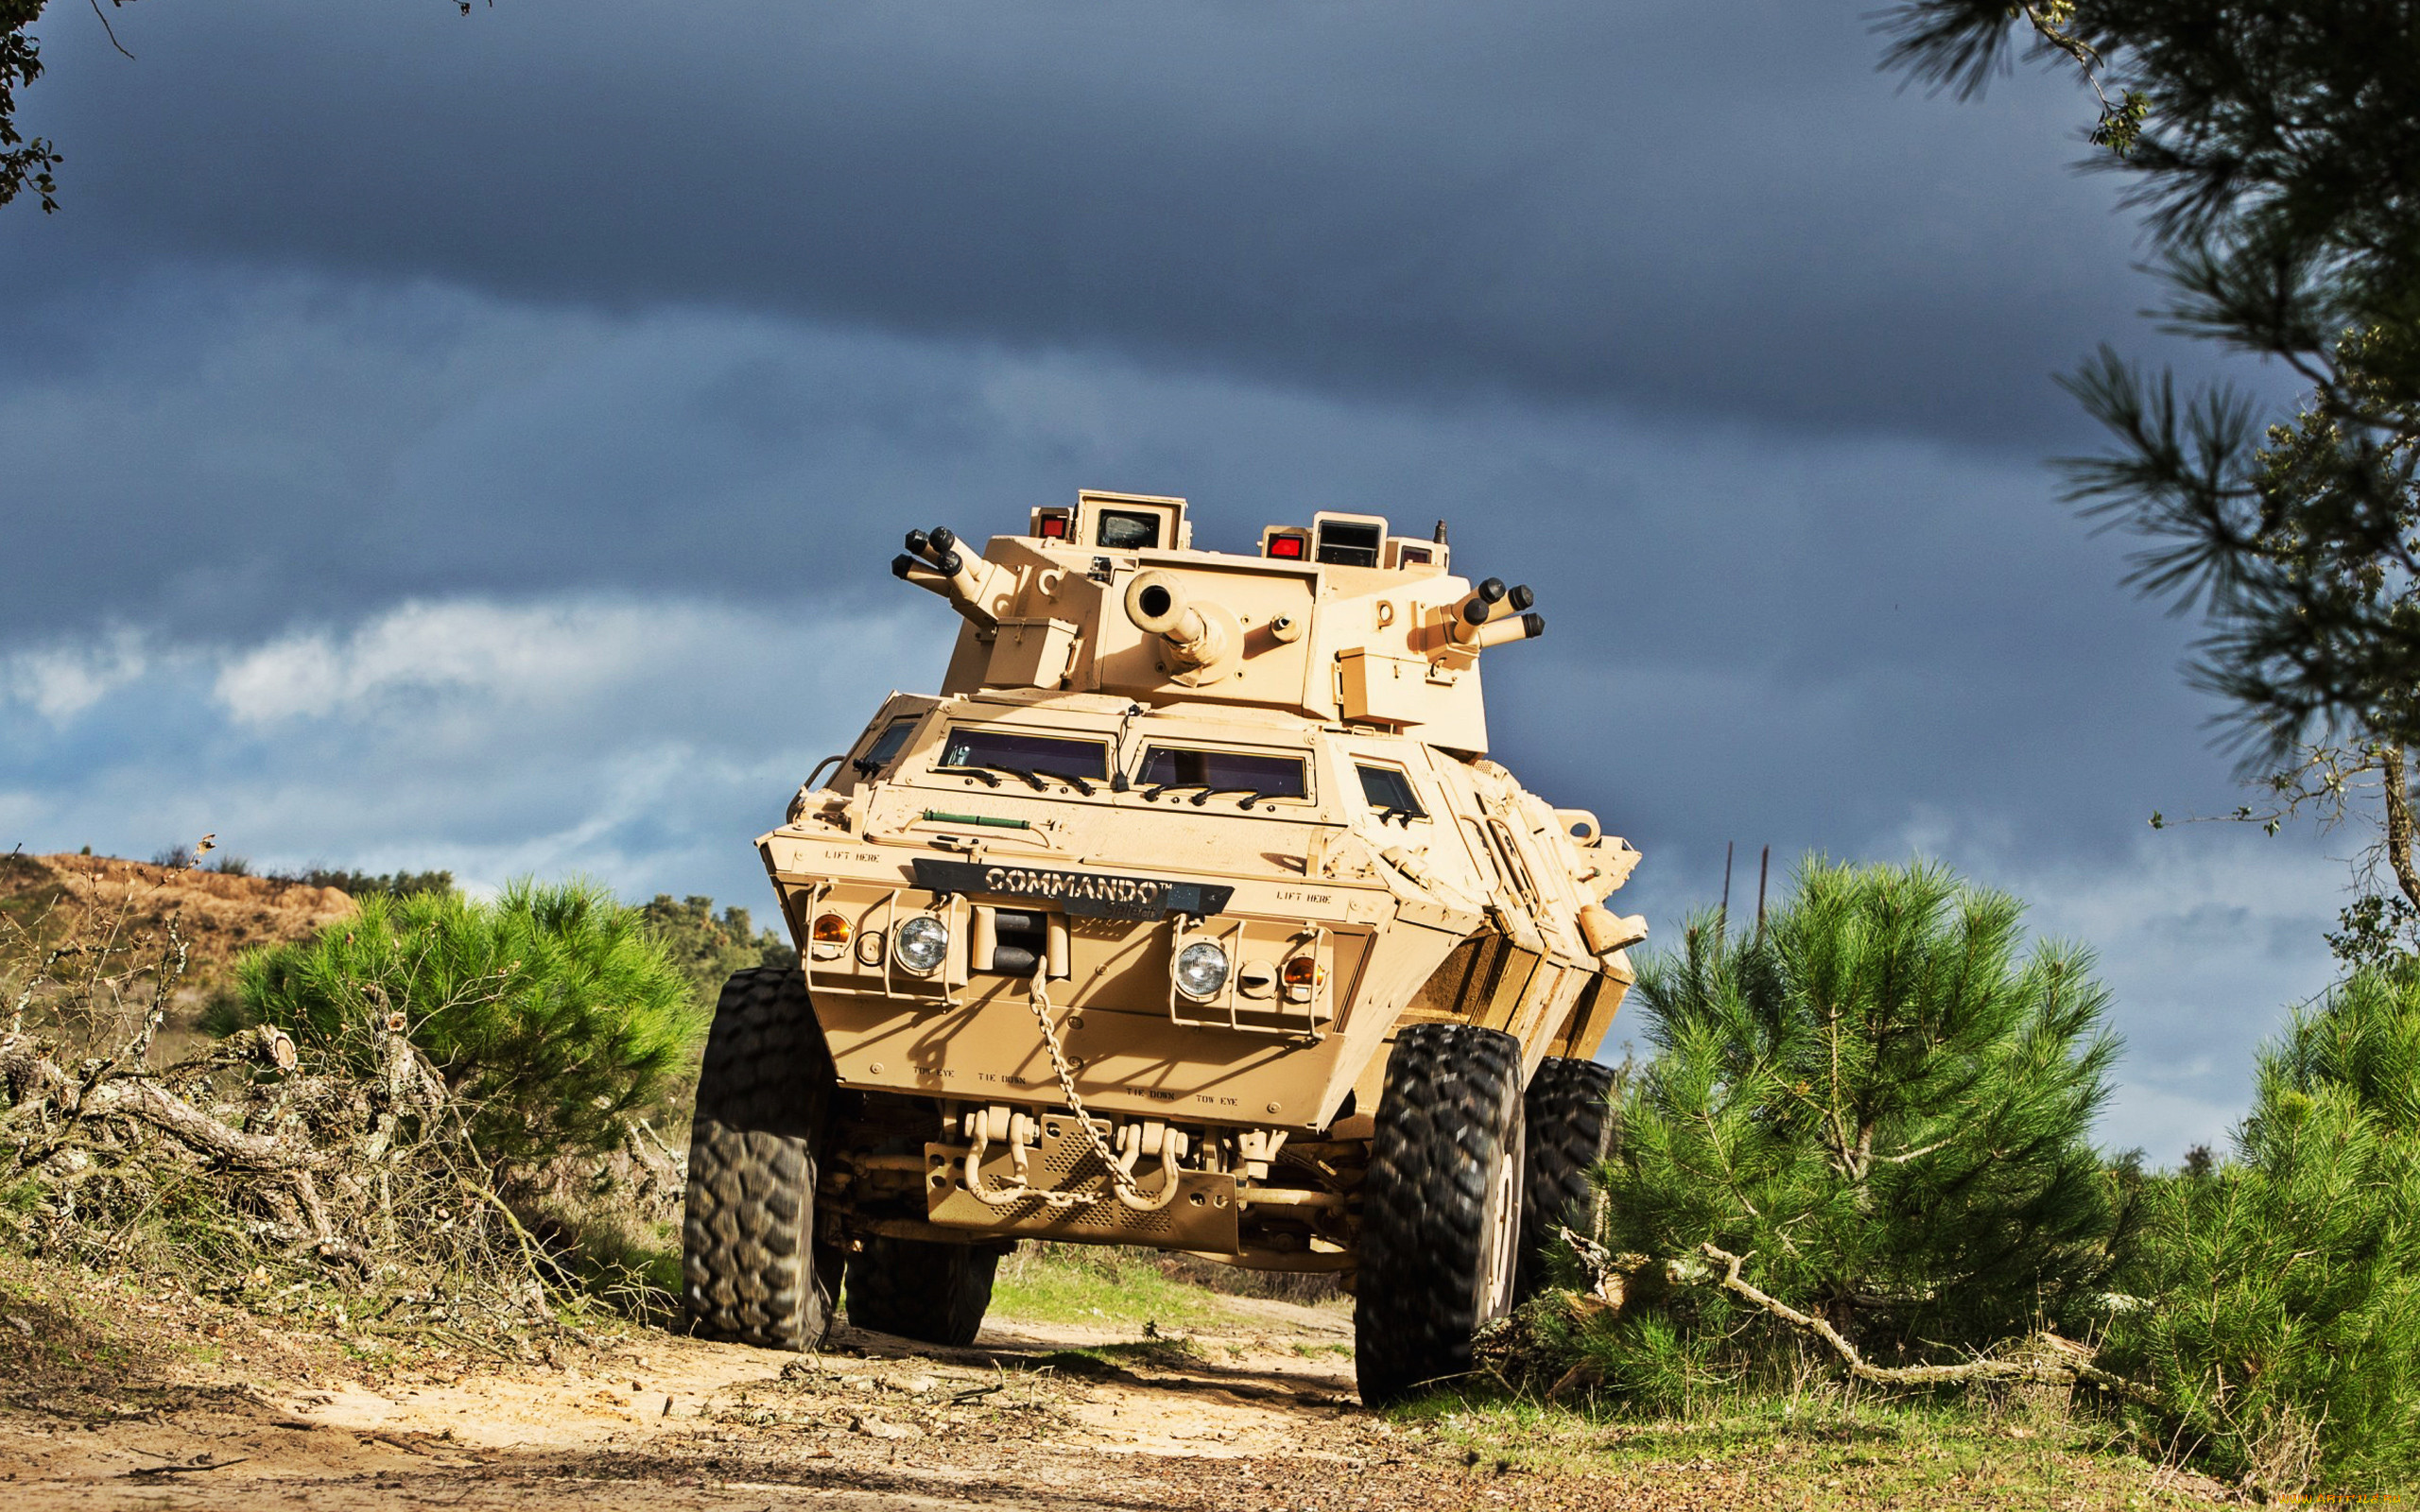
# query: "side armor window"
x,y
885,747
1390,792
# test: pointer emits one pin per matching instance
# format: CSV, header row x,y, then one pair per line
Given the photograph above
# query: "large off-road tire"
x,y
1572,1130
922,1290
1441,1213
751,1266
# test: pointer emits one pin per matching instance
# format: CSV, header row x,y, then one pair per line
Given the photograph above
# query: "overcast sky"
x,y
478,442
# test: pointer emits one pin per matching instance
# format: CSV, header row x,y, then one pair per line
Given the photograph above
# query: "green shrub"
x,y
550,1009
706,948
1884,1105
2285,1284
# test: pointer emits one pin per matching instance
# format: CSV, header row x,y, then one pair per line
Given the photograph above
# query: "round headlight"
x,y
1201,970
922,941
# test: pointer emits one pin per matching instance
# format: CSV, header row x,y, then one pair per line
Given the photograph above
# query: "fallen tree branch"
x,y
2056,1361
166,1112
137,1097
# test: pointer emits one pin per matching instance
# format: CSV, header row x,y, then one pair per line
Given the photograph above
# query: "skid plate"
x,y
1204,1216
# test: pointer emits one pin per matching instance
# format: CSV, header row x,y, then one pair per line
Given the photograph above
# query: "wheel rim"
x,y
1503,1228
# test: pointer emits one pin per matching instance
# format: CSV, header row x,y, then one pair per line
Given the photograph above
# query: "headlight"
x,y
1201,970
922,941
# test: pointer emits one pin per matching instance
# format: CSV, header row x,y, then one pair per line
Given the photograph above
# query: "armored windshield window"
x,y
885,747
1223,772
1127,529
1390,791
988,747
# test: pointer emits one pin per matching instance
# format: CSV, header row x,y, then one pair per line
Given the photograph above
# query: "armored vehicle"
x,y
1190,914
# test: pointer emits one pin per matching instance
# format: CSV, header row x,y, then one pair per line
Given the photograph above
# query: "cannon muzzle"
x,y
1198,640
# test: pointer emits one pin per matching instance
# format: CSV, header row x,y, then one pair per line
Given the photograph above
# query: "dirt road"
x,y
1254,1415
1060,1418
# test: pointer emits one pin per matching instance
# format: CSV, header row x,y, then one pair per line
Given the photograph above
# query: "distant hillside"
x,y
219,916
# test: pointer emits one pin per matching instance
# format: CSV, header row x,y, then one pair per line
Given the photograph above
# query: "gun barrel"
x,y
1158,605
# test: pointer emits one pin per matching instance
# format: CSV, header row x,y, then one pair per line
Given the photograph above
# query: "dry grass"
x,y
47,899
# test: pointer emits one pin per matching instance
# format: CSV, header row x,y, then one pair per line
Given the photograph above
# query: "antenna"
x,y
1725,915
1763,868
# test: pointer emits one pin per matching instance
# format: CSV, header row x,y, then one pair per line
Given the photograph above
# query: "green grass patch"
x,y
1104,1288
1314,1351
1826,1447
632,1264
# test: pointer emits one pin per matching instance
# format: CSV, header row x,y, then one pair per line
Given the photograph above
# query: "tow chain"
x,y
1124,1184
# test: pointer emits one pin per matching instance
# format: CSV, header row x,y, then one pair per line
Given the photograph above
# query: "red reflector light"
x,y
1054,525
1287,546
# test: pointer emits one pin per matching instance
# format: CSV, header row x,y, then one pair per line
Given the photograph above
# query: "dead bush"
x,y
340,1173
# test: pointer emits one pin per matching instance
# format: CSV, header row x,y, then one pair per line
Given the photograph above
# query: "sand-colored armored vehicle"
x,y
1190,914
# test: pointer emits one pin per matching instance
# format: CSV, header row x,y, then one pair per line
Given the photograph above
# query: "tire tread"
x,y
922,1289
751,1269
1572,1129
1446,1119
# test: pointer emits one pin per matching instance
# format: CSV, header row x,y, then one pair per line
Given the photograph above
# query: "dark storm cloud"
x,y
1708,208
1846,627
236,455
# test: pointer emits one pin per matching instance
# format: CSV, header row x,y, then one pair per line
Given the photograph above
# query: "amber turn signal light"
x,y
831,929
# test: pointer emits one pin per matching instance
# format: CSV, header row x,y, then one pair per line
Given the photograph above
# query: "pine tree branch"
x,y
1904,1156
2058,1362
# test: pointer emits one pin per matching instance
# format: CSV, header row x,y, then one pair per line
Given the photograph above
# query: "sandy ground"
x,y
1259,1415
223,1409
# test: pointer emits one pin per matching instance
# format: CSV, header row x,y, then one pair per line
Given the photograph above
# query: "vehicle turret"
x,y
1338,621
